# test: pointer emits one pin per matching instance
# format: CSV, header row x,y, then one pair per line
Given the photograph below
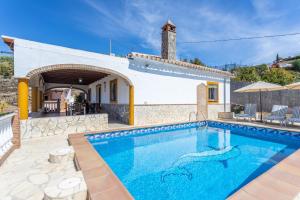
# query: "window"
x,y
213,92
113,90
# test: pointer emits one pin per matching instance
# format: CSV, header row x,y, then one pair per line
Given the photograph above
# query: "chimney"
x,y
168,41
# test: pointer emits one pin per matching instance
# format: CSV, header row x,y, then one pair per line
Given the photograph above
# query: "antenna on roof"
x,y
109,46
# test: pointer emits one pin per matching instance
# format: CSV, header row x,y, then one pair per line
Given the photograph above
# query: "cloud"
x,y
201,20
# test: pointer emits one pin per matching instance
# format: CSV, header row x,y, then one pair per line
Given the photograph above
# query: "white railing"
x,y
51,106
6,133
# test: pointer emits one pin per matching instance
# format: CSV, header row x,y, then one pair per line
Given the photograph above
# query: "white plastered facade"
x,y
155,82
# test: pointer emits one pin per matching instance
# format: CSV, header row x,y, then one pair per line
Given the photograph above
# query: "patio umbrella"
x,y
260,87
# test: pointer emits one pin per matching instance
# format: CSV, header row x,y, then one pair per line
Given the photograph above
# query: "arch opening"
x,y
105,90
65,68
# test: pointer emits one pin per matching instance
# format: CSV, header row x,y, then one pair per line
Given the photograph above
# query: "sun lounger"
x,y
250,112
295,116
278,113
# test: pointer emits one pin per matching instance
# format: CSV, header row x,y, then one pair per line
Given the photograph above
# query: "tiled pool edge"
x,y
282,181
145,130
101,182
258,125
264,190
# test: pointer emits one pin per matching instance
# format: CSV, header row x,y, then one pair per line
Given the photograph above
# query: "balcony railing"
x,y
6,133
51,106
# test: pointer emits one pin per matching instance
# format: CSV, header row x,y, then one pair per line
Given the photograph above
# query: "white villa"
x,y
138,89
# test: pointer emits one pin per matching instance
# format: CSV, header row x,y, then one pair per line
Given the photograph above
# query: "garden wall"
x,y
48,126
284,97
8,90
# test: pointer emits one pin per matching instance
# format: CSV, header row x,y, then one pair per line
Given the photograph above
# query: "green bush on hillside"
x,y
278,76
248,74
263,73
6,66
296,65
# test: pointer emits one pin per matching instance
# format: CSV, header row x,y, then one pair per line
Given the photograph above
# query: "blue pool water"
x,y
191,161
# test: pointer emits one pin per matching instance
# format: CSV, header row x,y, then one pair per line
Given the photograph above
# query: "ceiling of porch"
x,y
72,76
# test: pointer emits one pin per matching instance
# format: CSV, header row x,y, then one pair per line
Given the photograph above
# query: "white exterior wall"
x,y
123,90
158,89
155,83
158,83
161,83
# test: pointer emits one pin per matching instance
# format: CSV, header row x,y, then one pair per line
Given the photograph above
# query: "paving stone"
x,y
27,172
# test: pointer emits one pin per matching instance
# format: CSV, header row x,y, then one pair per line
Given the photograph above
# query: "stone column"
x,y
202,108
34,99
23,98
131,105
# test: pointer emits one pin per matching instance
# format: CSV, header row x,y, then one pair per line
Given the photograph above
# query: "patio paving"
x,y
27,172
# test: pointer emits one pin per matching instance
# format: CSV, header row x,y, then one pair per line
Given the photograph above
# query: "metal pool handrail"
x,y
197,114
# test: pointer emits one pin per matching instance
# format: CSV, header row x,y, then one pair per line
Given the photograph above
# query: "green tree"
x,y
296,65
262,72
197,61
279,76
248,74
277,58
6,66
262,69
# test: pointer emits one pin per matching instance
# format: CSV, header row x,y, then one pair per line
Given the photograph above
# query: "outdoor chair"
x,y
278,113
250,112
295,116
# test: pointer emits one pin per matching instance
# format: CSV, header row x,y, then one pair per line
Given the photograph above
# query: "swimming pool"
x,y
192,161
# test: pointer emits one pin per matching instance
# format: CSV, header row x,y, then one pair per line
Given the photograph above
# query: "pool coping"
x,y
102,183
282,181
260,124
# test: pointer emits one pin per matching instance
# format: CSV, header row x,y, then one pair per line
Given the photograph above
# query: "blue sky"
x,y
134,25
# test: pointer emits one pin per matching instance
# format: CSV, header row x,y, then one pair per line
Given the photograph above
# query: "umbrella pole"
x,y
261,111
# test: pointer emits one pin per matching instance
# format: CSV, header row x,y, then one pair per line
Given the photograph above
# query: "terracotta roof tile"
x,y
180,63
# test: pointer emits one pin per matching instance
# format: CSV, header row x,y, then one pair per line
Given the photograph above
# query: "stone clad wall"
x,y
159,114
8,90
214,109
118,112
47,126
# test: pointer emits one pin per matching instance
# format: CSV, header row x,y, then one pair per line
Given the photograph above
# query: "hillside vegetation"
x,y
6,66
264,73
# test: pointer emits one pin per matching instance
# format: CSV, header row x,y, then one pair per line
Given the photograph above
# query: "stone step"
x,y
61,155
69,188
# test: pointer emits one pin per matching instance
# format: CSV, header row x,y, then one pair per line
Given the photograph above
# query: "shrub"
x,y
262,72
6,66
248,74
296,65
3,106
279,76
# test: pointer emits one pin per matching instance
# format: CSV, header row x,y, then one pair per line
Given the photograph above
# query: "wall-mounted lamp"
x,y
80,80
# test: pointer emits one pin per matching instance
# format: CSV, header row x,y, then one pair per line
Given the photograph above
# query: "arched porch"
x,y
112,91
